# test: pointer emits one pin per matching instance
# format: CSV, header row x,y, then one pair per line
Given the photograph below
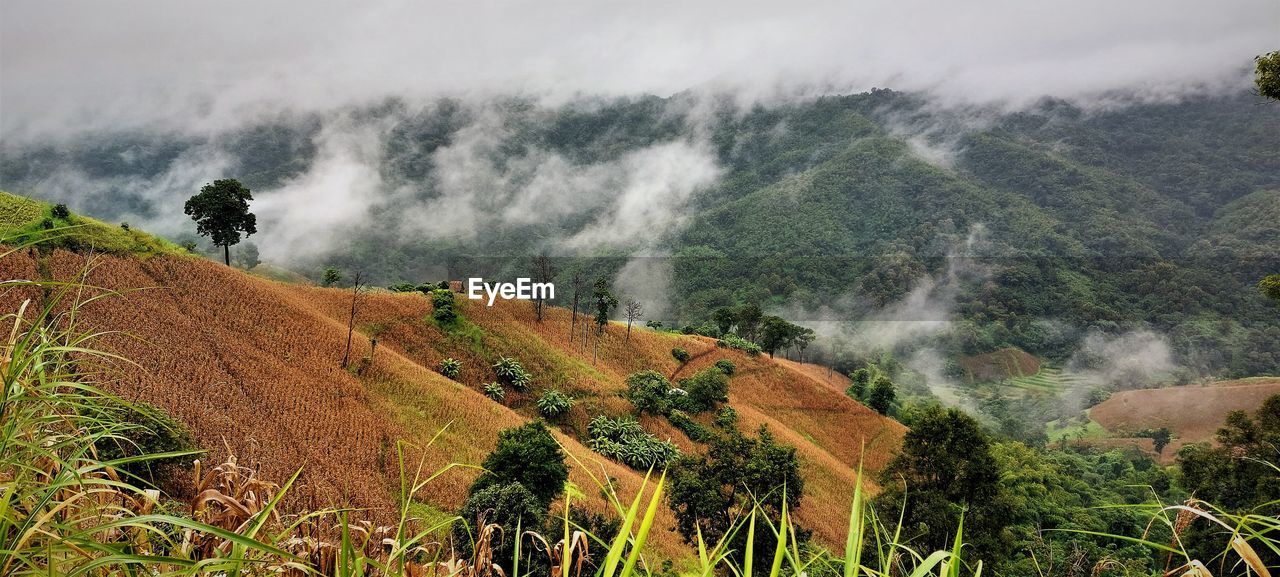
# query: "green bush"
x,y
554,403
705,389
450,367
693,429
623,439
60,211
528,455
726,418
736,342
495,391
510,505
680,355
511,372
442,306
648,392
726,366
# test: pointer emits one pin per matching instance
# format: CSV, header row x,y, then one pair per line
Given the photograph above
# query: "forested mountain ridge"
x,y
1141,216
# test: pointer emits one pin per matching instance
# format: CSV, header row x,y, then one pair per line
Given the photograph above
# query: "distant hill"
x,y
1193,413
252,365
1140,216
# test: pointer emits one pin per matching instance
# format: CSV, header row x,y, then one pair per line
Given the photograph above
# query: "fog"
x,y
74,65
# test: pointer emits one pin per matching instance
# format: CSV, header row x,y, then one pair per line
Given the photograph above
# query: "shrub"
x,y
442,306
528,455
509,504
623,439
706,388
330,277
554,403
60,211
450,367
726,366
648,392
736,342
693,429
495,391
726,418
403,287
655,325
680,355
511,372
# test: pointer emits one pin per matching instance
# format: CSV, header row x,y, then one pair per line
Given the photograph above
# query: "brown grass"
x,y
251,365
1128,412
999,365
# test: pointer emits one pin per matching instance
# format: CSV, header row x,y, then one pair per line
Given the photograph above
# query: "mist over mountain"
x,y
826,209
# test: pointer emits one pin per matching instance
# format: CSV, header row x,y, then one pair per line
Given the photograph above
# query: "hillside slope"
x,y
252,366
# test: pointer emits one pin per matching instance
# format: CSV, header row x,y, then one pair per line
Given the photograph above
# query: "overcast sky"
x,y
66,64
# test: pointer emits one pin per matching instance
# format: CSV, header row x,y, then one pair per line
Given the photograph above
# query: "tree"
x,y
528,455
706,388
945,470
648,392
221,212
605,302
882,396
633,310
707,491
724,318
748,320
509,505
1159,438
860,381
680,355
802,339
332,276
544,271
776,333
1270,287
351,321
1267,75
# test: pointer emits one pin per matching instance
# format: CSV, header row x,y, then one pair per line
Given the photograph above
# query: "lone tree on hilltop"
x,y
221,212
634,310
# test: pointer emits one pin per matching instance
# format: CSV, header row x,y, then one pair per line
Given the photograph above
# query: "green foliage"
x,y
882,396
512,373
625,440
680,355
221,212
443,307
330,277
604,300
860,381
726,366
1235,474
726,418
1270,287
737,474
553,404
649,392
509,504
527,455
705,389
450,367
691,428
945,470
1159,437
1267,75
495,391
736,342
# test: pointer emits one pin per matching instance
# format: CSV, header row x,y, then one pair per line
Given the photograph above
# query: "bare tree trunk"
x,y
226,254
351,322
628,331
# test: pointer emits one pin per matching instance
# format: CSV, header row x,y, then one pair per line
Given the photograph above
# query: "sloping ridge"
x,y
252,366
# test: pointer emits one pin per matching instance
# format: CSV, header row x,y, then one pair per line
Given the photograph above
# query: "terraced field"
x,y
1049,380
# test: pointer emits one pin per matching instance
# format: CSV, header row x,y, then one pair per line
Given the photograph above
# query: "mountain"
x,y
252,367
1034,228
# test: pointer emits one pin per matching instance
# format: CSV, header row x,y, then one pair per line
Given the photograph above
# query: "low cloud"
x,y
1129,360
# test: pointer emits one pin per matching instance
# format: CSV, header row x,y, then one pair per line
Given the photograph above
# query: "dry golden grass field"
x,y
252,366
1193,413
